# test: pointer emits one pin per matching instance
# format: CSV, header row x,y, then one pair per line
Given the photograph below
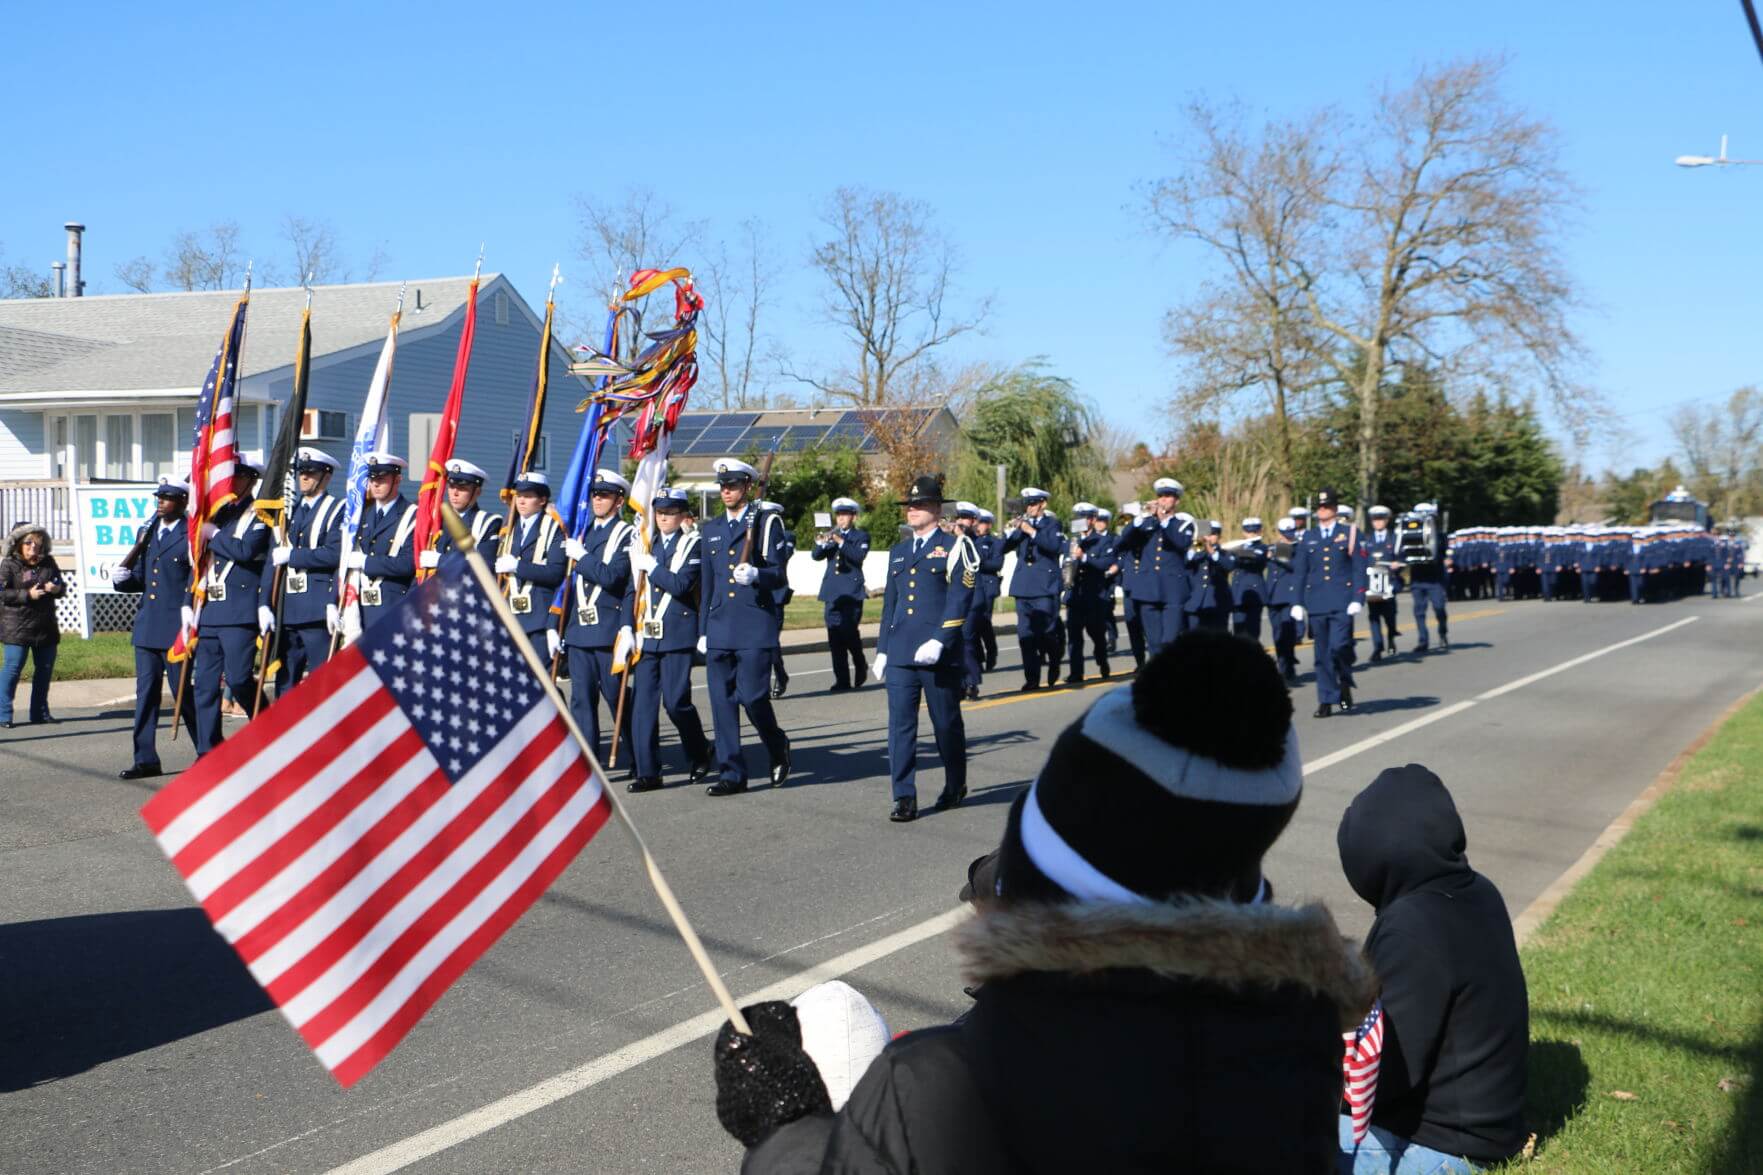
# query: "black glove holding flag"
x,y
766,1080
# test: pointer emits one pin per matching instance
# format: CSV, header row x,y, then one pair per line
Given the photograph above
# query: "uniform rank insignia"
x,y
940,553
295,582
967,579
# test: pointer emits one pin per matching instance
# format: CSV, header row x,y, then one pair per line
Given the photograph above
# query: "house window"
x,y
158,445
541,451
501,308
245,434
85,446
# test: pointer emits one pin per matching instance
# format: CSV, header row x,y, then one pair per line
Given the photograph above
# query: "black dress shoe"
x,y
972,694
951,798
904,810
140,771
726,787
46,720
1074,679
1324,710
839,687
700,771
1377,656
644,783
780,767
1346,698
1029,687
992,665
777,691
1105,673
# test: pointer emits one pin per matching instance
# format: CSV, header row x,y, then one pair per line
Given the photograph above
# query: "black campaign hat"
x,y
1328,497
928,488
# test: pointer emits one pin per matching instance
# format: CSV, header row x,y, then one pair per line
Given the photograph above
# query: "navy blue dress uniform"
x,y
1429,587
1092,595
598,566
785,552
309,559
982,638
1329,565
484,525
668,640
738,630
1106,517
230,618
842,592
1160,586
1036,585
1380,547
1282,593
931,581
1126,561
161,574
1248,582
1209,593
534,563
383,559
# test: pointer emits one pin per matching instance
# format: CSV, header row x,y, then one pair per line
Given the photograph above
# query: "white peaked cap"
x,y
1035,493
1166,485
735,466
310,456
612,478
845,504
460,465
391,459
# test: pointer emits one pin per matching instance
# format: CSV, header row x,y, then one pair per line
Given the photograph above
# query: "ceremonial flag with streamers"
x,y
373,433
362,842
213,457
1364,1052
434,477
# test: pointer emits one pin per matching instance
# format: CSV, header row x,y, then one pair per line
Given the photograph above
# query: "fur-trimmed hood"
x,y
1232,945
10,547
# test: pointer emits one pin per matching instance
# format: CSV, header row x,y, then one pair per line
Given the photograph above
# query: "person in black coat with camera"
x,y
1142,1004
30,583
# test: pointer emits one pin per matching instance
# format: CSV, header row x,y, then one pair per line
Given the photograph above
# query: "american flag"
x,y
1364,1052
213,453
361,843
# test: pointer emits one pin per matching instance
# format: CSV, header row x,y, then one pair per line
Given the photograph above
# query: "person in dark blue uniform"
x,y
990,588
669,574
1126,567
310,554
1380,548
598,570
1160,540
231,616
1282,593
1427,585
161,574
737,626
383,562
843,549
1086,612
1329,565
1248,581
533,562
786,550
1105,516
1036,586
465,485
1209,567
965,524
931,578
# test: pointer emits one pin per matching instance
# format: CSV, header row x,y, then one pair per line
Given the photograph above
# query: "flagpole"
x,y
462,541
507,537
343,580
275,636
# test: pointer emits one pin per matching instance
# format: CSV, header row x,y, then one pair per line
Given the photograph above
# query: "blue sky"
x,y
1030,128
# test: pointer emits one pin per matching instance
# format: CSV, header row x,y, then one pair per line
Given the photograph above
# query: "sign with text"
x,y
105,519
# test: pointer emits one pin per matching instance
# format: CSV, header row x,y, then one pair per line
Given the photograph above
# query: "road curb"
x,y
1538,911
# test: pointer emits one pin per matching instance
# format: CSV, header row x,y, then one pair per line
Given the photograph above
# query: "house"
x,y
103,389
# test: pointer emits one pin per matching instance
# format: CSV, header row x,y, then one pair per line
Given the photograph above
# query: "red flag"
x,y
434,478
360,845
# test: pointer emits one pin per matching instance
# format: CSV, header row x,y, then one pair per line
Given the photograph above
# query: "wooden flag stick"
x,y
486,579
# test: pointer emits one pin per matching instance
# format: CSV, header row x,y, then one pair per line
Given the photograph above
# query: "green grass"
x,y
1646,984
106,654
807,612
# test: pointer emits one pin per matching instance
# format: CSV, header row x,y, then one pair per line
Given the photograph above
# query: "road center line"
x,y
481,1121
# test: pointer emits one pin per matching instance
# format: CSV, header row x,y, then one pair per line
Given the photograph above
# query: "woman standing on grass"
x,y
30,583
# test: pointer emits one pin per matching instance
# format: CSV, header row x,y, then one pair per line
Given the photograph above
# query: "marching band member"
x,y
382,560
1329,565
1380,547
1209,567
1036,586
1282,593
1160,540
311,552
1126,564
982,635
1248,581
1091,586
662,677
844,548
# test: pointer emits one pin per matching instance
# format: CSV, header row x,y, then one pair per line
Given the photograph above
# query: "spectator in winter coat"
x,y
1450,1086
1142,1005
30,583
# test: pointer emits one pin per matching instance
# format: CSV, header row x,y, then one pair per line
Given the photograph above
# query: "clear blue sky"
x,y
1030,128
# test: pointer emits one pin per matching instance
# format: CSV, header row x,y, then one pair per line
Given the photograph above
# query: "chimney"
x,y
75,287
58,278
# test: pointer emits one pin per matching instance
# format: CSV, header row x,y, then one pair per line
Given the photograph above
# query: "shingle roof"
x,y
130,342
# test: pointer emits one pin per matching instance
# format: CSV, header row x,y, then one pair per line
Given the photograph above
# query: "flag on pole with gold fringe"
x,y
434,477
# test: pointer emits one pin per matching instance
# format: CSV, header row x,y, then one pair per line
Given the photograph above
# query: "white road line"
x,y
448,1134
481,1121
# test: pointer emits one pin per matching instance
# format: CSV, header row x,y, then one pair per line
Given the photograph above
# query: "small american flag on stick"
x,y
362,842
1364,1052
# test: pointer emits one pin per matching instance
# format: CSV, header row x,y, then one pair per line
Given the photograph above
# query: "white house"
x,y
96,389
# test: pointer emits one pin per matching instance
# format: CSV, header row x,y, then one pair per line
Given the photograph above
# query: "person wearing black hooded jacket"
x,y
1142,1004
1456,1010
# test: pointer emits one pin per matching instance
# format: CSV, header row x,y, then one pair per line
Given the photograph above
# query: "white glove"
x,y
642,562
279,556
553,642
507,564
881,666
1355,608
1298,613
429,559
622,645
265,620
333,622
928,653
703,644
355,560
745,574
209,530
188,615
575,549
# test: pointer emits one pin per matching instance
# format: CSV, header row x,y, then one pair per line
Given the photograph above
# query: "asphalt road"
x,y
131,1039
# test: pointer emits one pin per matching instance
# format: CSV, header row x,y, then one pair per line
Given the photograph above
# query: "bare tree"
x,y
1443,248
1722,451
195,262
313,245
888,273
18,281
137,275
1255,203
737,291
638,231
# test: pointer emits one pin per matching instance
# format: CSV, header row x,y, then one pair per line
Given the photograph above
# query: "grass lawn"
x,y
807,612
1646,985
106,654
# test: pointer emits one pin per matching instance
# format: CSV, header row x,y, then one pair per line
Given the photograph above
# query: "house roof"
x,y
153,342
